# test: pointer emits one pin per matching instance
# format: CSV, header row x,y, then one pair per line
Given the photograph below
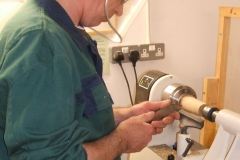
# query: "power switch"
x,y
151,47
125,50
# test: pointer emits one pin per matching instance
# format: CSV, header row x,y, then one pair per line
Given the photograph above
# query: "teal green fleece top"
x,y
52,99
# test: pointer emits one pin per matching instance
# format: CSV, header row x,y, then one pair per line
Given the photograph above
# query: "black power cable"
x,y
119,57
134,57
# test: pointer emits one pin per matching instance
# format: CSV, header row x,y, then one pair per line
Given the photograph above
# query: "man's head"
x,y
90,13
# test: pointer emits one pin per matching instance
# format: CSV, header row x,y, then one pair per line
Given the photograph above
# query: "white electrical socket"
x,y
147,52
152,51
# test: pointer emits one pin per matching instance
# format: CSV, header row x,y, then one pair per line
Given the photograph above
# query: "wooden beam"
x,y
231,12
222,54
210,90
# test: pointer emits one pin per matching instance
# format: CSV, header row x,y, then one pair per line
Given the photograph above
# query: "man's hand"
x,y
136,132
145,107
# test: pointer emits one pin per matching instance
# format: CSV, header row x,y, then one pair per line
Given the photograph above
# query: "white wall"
x,y
7,10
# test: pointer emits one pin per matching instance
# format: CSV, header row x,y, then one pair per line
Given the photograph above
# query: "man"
x,y
54,103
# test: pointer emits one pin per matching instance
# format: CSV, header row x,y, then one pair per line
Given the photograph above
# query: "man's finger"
x,y
147,117
154,106
158,124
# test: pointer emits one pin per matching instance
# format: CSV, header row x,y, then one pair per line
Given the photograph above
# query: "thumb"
x,y
147,117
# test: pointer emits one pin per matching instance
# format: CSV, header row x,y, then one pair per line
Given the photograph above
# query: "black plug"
x,y
118,56
134,57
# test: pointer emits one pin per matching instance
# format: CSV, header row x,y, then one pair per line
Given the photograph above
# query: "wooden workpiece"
x,y
192,105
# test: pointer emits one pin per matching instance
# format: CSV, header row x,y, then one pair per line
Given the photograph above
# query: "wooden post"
x,y
210,90
222,54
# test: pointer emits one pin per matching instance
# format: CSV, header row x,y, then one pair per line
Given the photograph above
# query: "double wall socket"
x,y
125,50
147,52
151,51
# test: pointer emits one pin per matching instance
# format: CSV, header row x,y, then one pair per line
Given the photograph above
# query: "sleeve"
x,y
40,122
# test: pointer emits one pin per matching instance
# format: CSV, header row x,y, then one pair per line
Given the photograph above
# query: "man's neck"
x,y
73,9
